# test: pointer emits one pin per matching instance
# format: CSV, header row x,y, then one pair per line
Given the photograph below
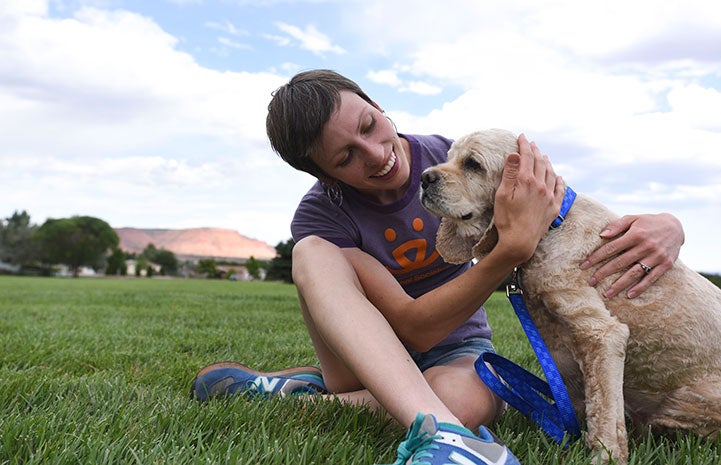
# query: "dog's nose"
x,y
428,177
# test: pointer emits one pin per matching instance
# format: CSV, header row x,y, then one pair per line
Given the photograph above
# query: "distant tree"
x,y
208,266
167,261
141,263
116,263
163,257
280,268
253,267
16,245
150,251
76,242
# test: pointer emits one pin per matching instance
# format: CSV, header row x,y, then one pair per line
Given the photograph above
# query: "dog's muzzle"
x,y
430,182
429,177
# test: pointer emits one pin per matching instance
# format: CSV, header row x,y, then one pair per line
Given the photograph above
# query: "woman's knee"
x,y
303,250
305,257
481,411
464,394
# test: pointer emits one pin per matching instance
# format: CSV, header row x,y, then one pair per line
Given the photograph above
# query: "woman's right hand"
x,y
527,201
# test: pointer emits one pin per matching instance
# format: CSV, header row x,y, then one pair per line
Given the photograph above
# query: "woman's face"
x,y
360,147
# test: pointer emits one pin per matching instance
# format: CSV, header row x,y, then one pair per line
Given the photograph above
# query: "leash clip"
x,y
513,287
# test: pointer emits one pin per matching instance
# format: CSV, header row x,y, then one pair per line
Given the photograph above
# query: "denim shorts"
x,y
443,355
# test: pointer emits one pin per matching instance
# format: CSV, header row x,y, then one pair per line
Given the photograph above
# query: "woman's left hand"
x,y
646,246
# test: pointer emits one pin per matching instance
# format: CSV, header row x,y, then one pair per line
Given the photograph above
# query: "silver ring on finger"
x,y
647,269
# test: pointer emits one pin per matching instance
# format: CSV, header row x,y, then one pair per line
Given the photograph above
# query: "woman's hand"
x,y
646,246
527,201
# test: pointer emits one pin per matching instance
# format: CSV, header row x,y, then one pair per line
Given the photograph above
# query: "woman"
x,y
395,327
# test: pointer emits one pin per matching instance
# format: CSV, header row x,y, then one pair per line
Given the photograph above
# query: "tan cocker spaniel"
x,y
655,359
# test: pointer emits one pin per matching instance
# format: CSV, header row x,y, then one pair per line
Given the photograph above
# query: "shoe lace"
x,y
252,390
417,445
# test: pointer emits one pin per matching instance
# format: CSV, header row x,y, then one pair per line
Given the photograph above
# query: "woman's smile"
x,y
389,169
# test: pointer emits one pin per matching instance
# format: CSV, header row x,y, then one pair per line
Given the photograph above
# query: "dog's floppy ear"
x,y
452,247
487,242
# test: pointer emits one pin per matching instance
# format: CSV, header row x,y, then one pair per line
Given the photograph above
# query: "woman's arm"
x,y
425,321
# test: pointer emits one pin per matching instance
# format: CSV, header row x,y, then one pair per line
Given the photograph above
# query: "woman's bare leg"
x,y
358,349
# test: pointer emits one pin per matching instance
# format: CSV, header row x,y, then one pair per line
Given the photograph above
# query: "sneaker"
x,y
432,443
226,378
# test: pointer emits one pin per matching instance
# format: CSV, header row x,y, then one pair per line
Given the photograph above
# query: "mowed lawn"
x,y
97,370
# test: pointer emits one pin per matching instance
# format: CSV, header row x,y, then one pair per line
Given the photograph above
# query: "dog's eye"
x,y
471,164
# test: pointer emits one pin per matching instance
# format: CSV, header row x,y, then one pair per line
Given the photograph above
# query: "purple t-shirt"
x,y
401,235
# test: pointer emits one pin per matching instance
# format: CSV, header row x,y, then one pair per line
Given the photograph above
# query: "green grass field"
x,y
97,371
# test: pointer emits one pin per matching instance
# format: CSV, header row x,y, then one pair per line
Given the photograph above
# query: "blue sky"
x,y
150,113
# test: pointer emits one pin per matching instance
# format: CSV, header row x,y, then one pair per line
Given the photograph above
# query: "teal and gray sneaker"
x,y
432,443
225,379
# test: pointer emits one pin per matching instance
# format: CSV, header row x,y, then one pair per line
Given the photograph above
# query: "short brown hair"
x,y
298,112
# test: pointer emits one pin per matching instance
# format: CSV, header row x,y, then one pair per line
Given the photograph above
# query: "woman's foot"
x,y
432,443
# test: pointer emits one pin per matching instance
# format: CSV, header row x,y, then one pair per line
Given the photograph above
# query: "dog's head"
x,y
462,191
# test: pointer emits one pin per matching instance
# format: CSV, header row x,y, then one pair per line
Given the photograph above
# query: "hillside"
x,y
195,243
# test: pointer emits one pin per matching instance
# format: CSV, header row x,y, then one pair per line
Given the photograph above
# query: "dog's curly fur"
x,y
655,358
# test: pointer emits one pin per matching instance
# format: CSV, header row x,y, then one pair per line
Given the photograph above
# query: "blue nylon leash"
x,y
520,388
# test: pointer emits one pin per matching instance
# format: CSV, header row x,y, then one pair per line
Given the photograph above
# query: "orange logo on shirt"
x,y
413,254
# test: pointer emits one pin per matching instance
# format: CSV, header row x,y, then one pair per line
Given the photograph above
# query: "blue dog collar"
x,y
568,199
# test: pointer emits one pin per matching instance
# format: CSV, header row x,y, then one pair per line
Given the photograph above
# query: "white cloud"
x,y
421,88
386,76
621,95
10,9
233,44
391,78
311,39
102,106
698,105
117,81
227,27
281,41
